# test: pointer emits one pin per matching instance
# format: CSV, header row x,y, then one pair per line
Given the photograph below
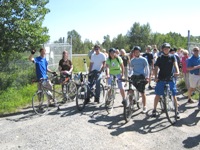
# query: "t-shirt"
x,y
125,60
114,65
140,66
41,67
166,65
149,57
97,61
194,61
65,65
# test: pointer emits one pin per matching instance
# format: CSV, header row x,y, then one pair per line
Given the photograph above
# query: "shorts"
x,y
119,82
194,80
159,89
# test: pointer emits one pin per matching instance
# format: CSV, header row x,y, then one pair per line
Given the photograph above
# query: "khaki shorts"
x,y
194,80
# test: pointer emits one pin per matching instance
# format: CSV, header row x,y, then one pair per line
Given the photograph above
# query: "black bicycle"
x,y
168,104
82,91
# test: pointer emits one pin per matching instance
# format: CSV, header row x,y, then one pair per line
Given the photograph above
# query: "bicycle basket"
x,y
55,80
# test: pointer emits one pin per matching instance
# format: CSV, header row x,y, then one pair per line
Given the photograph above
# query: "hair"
x,y
41,49
148,47
64,53
123,50
195,48
103,50
185,51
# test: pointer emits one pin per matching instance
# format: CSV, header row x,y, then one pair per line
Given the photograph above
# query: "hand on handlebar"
x,y
54,73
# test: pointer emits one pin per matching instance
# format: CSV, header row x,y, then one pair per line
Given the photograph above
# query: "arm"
x,y
177,69
193,68
90,68
122,67
103,66
156,72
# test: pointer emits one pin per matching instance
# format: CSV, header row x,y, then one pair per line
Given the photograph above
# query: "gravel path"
x,y
95,129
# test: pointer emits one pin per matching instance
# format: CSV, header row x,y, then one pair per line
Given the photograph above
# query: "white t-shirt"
x,y
97,61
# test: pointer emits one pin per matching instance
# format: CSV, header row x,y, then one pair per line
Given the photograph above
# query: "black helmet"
x,y
136,48
166,45
112,50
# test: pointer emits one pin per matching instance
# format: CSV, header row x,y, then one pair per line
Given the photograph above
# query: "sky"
x,y
94,19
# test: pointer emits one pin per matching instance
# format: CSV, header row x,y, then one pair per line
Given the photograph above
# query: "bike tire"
x,y
128,110
40,103
138,99
102,94
109,101
81,97
170,108
71,90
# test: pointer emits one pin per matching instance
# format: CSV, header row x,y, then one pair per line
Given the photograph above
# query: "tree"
x,y
77,44
106,44
21,25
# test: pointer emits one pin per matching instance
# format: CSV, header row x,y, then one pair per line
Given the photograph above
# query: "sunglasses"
x,y
96,49
196,50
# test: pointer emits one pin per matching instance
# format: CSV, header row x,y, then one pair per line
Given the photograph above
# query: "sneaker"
x,y
96,100
124,103
190,101
178,115
87,100
154,113
150,87
144,109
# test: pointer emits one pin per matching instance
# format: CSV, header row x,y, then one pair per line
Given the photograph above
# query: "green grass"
x,y
78,63
12,99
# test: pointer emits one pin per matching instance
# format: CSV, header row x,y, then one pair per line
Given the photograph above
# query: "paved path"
x,y
95,129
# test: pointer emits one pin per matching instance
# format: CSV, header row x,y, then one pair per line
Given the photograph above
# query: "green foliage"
x,y
21,25
12,99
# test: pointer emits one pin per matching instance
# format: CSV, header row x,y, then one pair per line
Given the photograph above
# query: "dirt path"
x,y
95,129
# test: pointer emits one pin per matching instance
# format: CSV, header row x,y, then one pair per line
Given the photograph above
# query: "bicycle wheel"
x,y
40,103
109,100
128,110
138,99
170,108
102,94
80,97
162,107
71,90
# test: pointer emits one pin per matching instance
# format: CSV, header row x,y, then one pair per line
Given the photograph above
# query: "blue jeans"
x,y
96,76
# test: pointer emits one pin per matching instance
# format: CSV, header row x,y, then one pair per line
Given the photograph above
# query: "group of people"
x,y
164,65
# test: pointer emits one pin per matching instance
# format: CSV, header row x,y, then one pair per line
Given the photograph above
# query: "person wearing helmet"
x,y
97,64
140,74
166,64
115,67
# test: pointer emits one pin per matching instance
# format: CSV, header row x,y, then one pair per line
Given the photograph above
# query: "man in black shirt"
x,y
166,63
149,56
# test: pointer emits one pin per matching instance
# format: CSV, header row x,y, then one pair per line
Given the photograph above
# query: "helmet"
x,y
136,48
112,50
77,78
166,45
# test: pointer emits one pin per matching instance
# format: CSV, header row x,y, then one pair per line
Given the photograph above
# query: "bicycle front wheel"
x,y
40,103
170,108
102,94
81,97
109,101
71,90
128,110
138,99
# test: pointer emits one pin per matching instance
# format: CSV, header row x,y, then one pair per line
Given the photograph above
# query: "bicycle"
x,y
168,104
110,95
133,99
42,99
83,90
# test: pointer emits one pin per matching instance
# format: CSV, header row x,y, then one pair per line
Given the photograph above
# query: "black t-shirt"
x,y
125,60
149,57
165,64
65,65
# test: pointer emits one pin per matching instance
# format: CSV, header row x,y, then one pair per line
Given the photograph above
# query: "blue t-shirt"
x,y
140,66
41,67
193,61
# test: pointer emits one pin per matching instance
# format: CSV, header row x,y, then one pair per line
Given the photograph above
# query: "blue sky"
x,y
93,19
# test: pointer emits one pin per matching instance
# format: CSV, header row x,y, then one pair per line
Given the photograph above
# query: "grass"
x,y
12,99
